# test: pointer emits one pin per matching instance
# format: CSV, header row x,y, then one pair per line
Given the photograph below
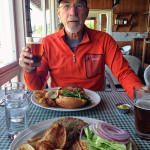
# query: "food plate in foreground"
x,y
93,96
39,129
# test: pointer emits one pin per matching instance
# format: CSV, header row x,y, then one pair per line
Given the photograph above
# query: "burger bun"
x,y
70,102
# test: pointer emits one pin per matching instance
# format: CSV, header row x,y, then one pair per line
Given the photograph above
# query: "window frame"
x,y
13,69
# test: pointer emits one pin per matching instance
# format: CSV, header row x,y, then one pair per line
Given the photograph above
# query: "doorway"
x,y
100,20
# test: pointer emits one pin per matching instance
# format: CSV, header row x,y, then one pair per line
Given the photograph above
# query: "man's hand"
x,y
25,60
145,89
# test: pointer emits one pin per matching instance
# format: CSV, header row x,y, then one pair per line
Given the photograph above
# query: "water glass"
x,y
16,108
142,111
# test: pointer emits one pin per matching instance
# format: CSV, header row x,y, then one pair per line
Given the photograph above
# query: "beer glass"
x,y
142,111
36,48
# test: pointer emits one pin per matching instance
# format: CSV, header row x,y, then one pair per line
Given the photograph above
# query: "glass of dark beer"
x,y
35,46
142,111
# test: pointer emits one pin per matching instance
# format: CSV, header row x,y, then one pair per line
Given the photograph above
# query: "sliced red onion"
x,y
113,133
94,129
82,130
109,132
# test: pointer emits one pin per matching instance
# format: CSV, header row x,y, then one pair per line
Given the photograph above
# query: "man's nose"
x,y
73,10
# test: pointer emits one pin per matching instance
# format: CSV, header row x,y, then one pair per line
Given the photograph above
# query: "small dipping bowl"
x,y
123,108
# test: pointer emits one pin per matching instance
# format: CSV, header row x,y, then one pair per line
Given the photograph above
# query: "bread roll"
x,y
70,102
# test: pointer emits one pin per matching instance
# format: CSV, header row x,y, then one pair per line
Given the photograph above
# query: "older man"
x,y
77,55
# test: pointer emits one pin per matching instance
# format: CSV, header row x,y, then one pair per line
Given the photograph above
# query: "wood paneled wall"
x,y
139,8
125,6
138,50
99,4
132,6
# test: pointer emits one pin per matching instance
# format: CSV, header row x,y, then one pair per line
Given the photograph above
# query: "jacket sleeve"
x,y
120,67
36,79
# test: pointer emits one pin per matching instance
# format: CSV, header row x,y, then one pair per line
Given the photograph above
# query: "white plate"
x,y
93,96
39,129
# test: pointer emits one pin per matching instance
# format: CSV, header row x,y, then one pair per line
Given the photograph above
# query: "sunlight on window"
x,y
7,34
37,20
89,23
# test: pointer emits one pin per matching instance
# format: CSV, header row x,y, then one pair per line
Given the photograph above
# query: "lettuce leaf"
x,y
76,94
95,142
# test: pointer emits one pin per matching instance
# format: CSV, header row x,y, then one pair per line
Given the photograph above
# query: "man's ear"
x,y
87,12
58,12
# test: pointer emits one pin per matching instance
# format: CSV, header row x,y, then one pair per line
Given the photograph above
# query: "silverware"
x,y
2,102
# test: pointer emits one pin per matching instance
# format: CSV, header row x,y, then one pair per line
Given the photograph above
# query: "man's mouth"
x,y
73,21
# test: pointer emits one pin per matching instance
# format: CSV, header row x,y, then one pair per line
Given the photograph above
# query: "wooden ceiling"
x,y
38,3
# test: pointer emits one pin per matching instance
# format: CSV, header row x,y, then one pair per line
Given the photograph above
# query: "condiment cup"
x,y
123,108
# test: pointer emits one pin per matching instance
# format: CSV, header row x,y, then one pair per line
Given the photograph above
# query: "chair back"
x,y
126,49
111,83
147,75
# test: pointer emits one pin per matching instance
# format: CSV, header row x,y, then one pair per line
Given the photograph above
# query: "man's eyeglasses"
x,y
69,6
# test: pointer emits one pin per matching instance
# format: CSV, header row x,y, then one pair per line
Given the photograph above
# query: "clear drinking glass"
x,y
16,108
142,111
36,48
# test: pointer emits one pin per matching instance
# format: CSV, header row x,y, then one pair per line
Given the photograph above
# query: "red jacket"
x,y
84,67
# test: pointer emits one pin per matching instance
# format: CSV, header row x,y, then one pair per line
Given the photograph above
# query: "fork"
x,y
2,101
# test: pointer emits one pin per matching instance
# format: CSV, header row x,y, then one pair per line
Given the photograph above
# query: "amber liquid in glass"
x,y
142,116
37,50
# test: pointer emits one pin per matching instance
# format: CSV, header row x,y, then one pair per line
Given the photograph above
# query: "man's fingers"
x,y
26,66
26,53
25,60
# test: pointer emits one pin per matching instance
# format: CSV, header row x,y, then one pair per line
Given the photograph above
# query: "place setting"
x,y
71,100
105,132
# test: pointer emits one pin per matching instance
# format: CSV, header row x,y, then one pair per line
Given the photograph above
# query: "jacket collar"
x,y
85,34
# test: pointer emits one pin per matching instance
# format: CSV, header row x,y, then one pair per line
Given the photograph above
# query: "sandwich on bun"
x,y
71,96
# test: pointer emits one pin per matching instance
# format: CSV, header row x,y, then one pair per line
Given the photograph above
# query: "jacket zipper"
x,y
74,57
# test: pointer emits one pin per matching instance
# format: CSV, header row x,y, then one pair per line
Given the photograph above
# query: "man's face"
x,y
73,13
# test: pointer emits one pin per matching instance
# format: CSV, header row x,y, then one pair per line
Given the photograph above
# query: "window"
x,y
9,67
91,22
37,23
7,34
43,15
15,26
102,20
